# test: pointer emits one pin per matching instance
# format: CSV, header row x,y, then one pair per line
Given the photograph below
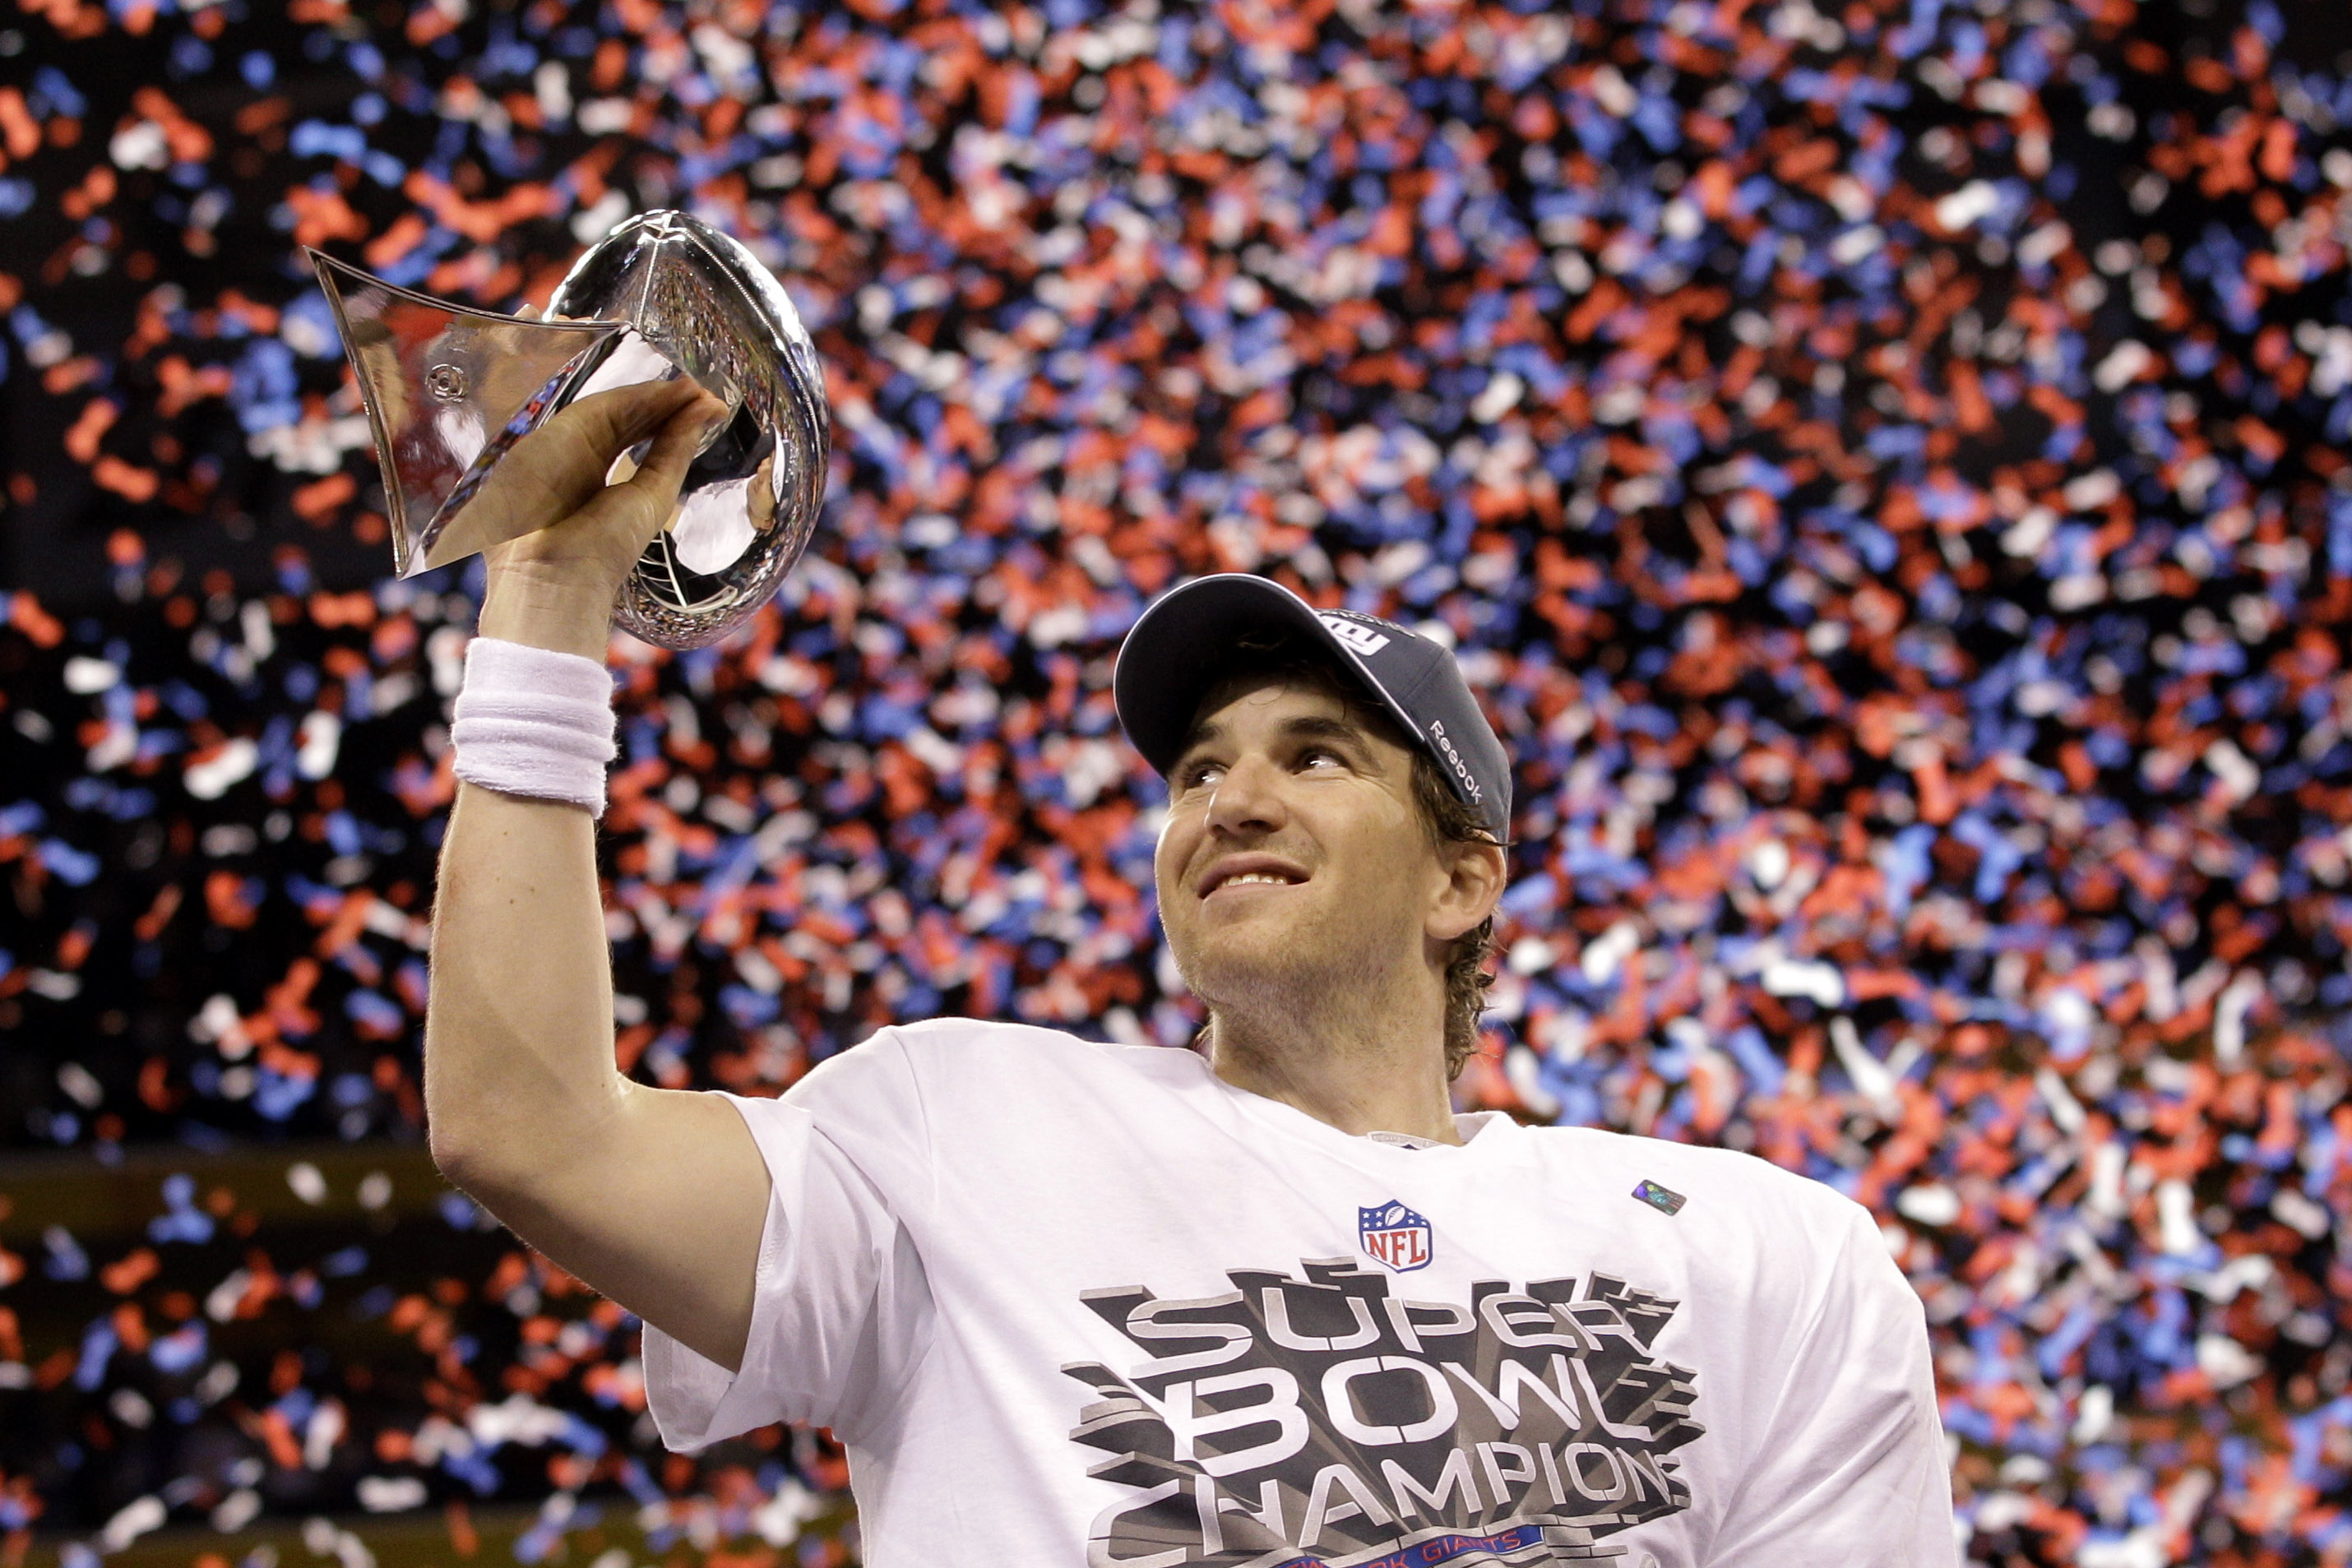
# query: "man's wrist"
x,y
560,623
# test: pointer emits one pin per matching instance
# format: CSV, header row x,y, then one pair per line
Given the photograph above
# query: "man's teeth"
x,y
1267,877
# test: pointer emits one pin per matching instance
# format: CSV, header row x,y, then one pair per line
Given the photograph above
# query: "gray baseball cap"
x,y
1177,651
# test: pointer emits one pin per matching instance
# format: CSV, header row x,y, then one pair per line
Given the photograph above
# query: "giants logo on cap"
x,y
1362,638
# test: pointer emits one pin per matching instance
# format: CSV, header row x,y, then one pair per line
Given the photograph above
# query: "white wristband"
x,y
529,721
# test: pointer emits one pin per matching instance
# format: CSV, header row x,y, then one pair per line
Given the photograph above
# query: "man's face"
x,y
1293,856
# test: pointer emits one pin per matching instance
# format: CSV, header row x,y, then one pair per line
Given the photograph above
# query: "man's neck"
x,y
1359,1080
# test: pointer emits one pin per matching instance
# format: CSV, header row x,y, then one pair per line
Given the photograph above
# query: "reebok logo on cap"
x,y
1453,758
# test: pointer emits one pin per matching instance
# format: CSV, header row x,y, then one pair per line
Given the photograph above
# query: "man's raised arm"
x,y
654,1198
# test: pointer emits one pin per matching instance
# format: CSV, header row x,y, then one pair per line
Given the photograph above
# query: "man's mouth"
x,y
1260,875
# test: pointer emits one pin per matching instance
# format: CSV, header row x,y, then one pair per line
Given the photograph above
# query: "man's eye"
x,y
1314,755
1194,774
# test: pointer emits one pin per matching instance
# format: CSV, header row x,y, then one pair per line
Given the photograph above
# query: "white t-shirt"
x,y
1068,1303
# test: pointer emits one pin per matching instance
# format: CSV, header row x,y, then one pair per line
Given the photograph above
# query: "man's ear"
x,y
1475,871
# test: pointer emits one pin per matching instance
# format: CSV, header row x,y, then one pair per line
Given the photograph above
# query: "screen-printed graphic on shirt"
x,y
1320,1418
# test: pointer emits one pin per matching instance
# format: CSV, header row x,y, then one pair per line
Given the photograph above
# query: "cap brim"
x,y
1176,652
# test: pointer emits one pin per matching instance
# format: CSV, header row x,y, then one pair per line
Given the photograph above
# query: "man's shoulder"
x,y
982,1040
967,1048
1678,1175
949,1080
963,1032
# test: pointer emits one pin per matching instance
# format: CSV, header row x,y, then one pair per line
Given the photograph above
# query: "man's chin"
x,y
1239,967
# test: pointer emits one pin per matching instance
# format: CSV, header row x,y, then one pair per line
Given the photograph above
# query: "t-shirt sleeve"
x,y
1852,1466
840,1305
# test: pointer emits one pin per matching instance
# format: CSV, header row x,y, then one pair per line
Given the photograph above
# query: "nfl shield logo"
x,y
1396,1237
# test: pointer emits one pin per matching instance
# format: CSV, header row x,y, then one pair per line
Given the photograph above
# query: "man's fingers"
x,y
642,503
672,450
611,422
560,467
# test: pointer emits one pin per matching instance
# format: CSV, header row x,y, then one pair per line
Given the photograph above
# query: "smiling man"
x,y
1268,1301
1326,879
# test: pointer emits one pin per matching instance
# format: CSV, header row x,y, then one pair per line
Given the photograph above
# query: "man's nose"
x,y
1248,798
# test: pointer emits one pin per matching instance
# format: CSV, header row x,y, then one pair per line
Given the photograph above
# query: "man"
x,y
1268,1301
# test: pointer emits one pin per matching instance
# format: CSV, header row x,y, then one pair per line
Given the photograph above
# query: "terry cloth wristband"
x,y
529,721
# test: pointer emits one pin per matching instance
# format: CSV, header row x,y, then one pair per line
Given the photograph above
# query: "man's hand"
x,y
554,586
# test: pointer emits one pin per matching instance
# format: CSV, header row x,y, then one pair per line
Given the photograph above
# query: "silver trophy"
x,y
449,389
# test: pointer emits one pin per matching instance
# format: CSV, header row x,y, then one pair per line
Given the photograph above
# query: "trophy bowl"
x,y
449,389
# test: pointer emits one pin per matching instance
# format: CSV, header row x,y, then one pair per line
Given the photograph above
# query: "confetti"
x,y
1883,468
